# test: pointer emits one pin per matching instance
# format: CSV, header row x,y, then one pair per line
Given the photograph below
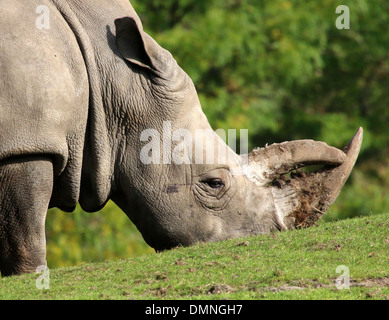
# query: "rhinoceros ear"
x,y
138,47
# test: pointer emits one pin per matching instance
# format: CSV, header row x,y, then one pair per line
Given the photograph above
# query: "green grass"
x,y
298,264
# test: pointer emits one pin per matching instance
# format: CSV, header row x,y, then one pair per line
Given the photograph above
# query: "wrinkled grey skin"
x,y
73,102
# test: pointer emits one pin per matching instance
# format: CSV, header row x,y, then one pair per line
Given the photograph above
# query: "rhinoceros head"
x,y
181,184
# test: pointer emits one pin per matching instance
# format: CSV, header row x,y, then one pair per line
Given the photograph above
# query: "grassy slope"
x,y
297,264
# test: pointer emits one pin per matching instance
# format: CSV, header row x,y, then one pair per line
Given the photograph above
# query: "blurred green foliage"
x,y
280,69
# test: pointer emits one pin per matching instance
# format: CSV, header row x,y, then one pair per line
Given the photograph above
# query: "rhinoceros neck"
x,y
92,25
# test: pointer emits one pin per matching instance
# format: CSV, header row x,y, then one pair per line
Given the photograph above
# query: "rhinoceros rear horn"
x,y
138,48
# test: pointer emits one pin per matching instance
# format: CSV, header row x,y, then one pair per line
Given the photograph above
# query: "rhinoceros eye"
x,y
214,183
210,189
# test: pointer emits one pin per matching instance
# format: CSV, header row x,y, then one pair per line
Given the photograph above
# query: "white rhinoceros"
x,y
80,82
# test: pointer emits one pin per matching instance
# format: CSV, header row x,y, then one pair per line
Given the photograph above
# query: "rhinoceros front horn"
x,y
302,198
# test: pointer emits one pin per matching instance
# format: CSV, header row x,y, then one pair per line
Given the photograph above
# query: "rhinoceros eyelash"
x,y
214,183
